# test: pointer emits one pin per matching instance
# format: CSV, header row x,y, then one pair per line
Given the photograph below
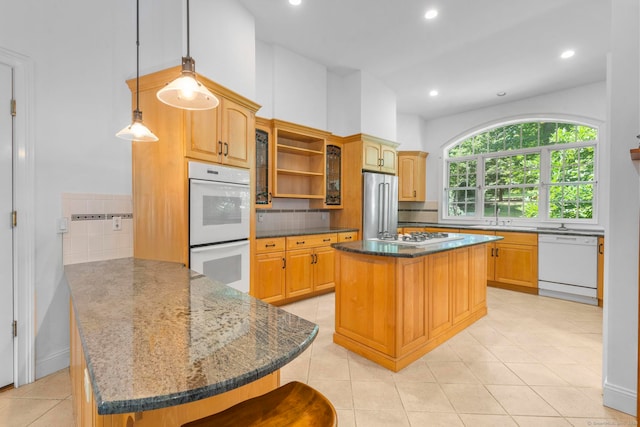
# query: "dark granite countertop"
x,y
156,334
287,233
399,250
512,228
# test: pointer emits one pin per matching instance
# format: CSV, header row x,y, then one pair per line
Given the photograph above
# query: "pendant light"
x,y
185,91
137,131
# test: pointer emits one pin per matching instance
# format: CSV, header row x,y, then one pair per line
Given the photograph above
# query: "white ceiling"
x,y
471,51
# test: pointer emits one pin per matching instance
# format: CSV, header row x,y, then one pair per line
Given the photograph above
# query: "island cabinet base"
x,y
85,410
394,310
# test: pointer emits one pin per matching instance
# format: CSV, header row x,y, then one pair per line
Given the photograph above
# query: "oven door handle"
x,y
230,184
219,245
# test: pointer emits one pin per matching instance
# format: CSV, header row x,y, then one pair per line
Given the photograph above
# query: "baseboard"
x,y
53,363
619,398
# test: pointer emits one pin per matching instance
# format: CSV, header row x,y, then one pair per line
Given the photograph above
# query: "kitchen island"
x,y
396,302
156,344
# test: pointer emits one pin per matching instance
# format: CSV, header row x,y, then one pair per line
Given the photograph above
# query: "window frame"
x,y
544,184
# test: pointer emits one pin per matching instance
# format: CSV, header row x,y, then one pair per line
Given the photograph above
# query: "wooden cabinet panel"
x,y
517,238
270,276
600,271
349,236
311,240
370,156
270,244
324,268
412,176
439,296
388,159
366,311
477,276
202,141
299,273
378,157
461,293
413,321
516,264
237,134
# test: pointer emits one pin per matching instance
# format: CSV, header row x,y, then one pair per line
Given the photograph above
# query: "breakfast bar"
x,y
156,344
395,302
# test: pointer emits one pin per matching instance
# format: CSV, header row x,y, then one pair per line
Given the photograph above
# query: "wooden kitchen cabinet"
x,y
412,170
269,270
299,161
160,169
264,163
600,271
223,135
512,263
378,155
333,176
292,268
347,236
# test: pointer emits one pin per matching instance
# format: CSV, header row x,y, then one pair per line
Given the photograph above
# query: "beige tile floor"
x,y
531,362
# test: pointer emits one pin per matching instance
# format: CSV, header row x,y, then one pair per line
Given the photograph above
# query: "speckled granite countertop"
x,y
287,233
399,250
156,334
513,228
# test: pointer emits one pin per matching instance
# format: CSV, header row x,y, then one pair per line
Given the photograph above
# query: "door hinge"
x,y
13,107
14,219
15,328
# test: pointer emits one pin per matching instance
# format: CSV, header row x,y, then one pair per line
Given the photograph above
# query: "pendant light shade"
x,y
137,131
186,91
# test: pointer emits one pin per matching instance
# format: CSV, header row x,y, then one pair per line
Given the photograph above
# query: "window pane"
x,y
496,140
472,174
529,135
481,143
566,133
512,137
586,133
547,133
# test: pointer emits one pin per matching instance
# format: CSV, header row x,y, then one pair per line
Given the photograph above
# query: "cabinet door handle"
x,y
226,149
219,147
312,259
326,240
414,193
271,245
348,237
300,243
492,249
270,198
381,162
284,263
497,249
601,248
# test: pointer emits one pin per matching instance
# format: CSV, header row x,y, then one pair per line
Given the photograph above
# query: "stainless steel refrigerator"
x,y
379,205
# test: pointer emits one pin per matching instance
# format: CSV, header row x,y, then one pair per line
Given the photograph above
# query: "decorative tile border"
x,y
290,210
98,217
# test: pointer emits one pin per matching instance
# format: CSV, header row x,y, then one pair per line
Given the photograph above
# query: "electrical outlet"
x,y
324,216
63,225
117,223
260,217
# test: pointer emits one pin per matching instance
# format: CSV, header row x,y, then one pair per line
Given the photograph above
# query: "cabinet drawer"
x,y
311,240
270,245
518,238
349,236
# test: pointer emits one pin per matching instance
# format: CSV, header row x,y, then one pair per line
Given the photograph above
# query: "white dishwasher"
x,y
568,267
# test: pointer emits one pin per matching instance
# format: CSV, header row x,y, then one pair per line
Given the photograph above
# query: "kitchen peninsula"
x,y
396,302
156,344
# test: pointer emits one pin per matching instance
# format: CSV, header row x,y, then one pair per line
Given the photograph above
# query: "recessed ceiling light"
x,y
433,93
295,2
501,93
430,14
567,54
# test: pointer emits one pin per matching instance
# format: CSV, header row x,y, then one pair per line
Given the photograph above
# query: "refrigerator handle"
x,y
380,206
387,209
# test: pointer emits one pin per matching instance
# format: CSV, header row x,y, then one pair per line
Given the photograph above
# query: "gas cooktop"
x,y
419,238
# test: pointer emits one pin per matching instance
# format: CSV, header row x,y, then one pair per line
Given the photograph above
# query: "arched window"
x,y
536,171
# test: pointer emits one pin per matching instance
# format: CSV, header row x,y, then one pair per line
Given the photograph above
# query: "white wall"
x,y
264,78
621,244
344,95
223,44
409,132
299,89
588,102
379,111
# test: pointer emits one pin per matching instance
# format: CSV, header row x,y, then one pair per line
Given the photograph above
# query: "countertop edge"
x,y
515,229
291,233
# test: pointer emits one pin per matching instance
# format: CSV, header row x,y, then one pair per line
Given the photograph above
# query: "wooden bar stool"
x,y
291,405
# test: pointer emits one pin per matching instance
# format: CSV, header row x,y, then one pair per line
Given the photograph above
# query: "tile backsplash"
x,y
418,211
91,235
291,214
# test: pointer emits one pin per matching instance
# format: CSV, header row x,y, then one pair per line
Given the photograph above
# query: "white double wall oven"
x,y
219,204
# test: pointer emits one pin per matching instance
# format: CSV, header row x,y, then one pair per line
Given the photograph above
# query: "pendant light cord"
x,y
137,55
188,52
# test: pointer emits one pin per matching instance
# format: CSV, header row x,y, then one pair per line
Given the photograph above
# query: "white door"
x,y
6,230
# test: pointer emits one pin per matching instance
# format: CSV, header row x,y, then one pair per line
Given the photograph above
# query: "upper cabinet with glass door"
x,y
264,163
333,178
